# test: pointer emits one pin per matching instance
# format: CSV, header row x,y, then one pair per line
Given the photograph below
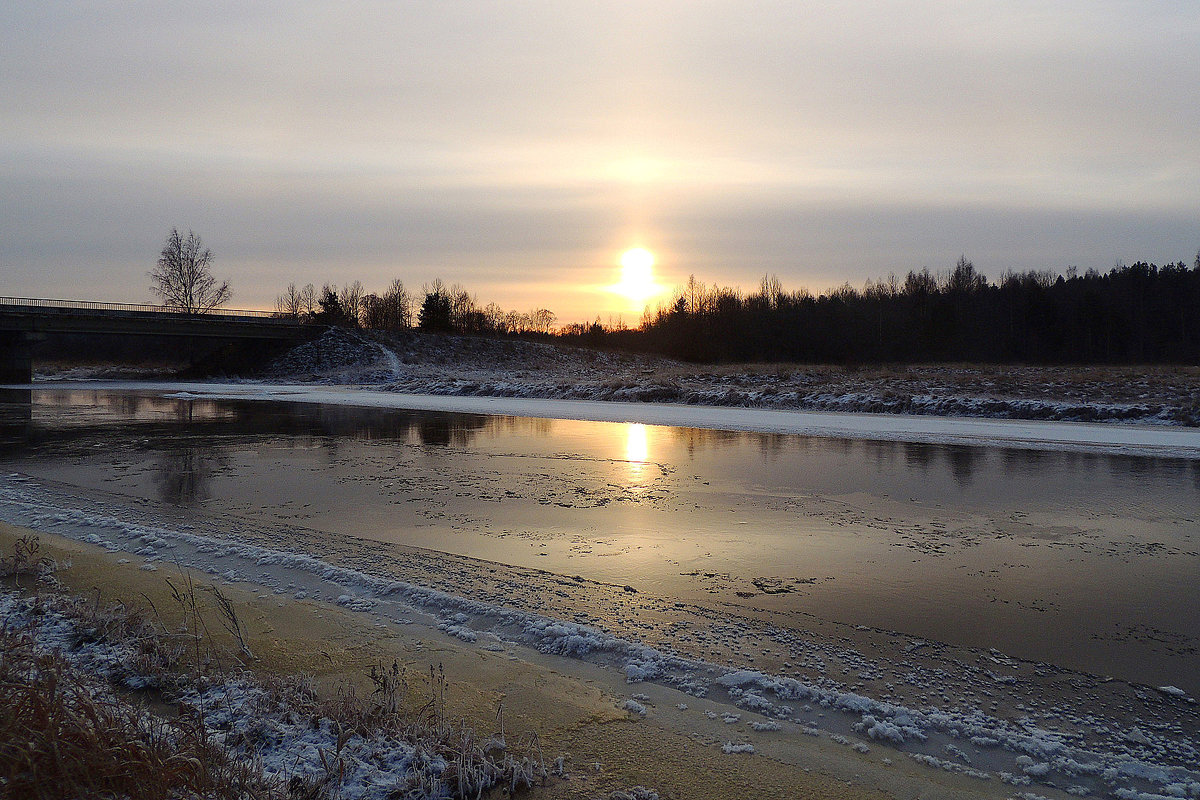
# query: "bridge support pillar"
x,y
16,356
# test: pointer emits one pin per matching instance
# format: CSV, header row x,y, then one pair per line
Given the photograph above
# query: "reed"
x,y
132,724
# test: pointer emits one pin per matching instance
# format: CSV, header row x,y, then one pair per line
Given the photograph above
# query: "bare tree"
x,y
694,291
183,276
516,322
462,306
542,320
390,311
373,314
351,298
496,318
290,303
397,306
308,300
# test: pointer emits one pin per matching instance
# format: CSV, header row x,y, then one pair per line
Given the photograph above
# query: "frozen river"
x,y
1086,561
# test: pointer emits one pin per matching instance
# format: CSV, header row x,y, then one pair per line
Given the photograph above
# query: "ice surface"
x,y
1157,440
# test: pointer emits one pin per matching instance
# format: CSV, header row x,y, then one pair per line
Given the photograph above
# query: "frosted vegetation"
x,y
439,364
77,680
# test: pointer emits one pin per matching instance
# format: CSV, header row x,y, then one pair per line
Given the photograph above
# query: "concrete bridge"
x,y
24,322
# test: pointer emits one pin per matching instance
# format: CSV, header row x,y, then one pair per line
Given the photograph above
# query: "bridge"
x,y
25,321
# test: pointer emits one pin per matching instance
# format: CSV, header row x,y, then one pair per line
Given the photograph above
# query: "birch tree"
x,y
183,276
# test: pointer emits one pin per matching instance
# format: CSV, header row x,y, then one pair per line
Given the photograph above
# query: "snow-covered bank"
x,y
1146,440
1063,738
423,363
413,362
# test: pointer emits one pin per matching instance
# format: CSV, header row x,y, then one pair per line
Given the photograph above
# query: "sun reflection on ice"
x,y
636,449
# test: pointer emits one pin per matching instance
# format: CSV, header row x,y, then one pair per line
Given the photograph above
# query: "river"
x,y
1085,561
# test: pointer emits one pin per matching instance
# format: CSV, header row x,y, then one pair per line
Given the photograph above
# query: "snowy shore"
x,y
465,366
418,363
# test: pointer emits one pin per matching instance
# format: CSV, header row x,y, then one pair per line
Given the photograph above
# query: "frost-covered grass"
x,y
66,735
25,560
79,685
473,366
70,728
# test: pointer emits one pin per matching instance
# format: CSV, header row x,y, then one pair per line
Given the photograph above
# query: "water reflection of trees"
x,y
134,407
445,431
71,421
184,475
439,429
963,463
916,455
129,405
16,416
700,439
522,426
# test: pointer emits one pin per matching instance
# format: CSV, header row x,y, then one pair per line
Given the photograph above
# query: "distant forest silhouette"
x,y
1141,313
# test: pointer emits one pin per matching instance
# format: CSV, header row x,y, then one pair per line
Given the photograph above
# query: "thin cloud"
x,y
821,142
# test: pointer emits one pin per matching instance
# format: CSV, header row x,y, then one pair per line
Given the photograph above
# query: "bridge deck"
x,y
25,321
23,305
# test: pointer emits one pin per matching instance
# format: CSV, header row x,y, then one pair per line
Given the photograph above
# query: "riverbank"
x,y
577,710
420,363
916,723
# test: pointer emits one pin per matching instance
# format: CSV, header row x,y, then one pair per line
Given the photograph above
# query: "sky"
x,y
519,148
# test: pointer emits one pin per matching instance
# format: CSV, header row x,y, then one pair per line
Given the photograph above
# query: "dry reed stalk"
x,y
67,733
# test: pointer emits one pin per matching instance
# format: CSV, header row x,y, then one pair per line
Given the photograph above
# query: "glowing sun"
x,y
637,275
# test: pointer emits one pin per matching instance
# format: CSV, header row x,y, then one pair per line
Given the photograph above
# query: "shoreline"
x,y
723,710
575,708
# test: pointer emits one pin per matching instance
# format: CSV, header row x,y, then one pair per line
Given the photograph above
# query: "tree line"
x,y
438,307
1140,313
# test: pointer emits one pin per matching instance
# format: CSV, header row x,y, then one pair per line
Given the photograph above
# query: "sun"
x,y
637,275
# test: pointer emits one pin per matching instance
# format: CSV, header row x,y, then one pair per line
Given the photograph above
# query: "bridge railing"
x,y
143,308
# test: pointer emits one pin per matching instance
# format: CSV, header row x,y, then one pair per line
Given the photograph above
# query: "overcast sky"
x,y
518,148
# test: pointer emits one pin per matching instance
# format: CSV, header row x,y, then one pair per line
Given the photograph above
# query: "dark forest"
x,y
1140,313
1134,314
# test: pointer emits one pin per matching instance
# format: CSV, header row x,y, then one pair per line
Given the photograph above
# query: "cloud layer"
x,y
519,147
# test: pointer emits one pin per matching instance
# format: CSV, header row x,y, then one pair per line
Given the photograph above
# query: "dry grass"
x,y
25,560
67,734
68,731
474,764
